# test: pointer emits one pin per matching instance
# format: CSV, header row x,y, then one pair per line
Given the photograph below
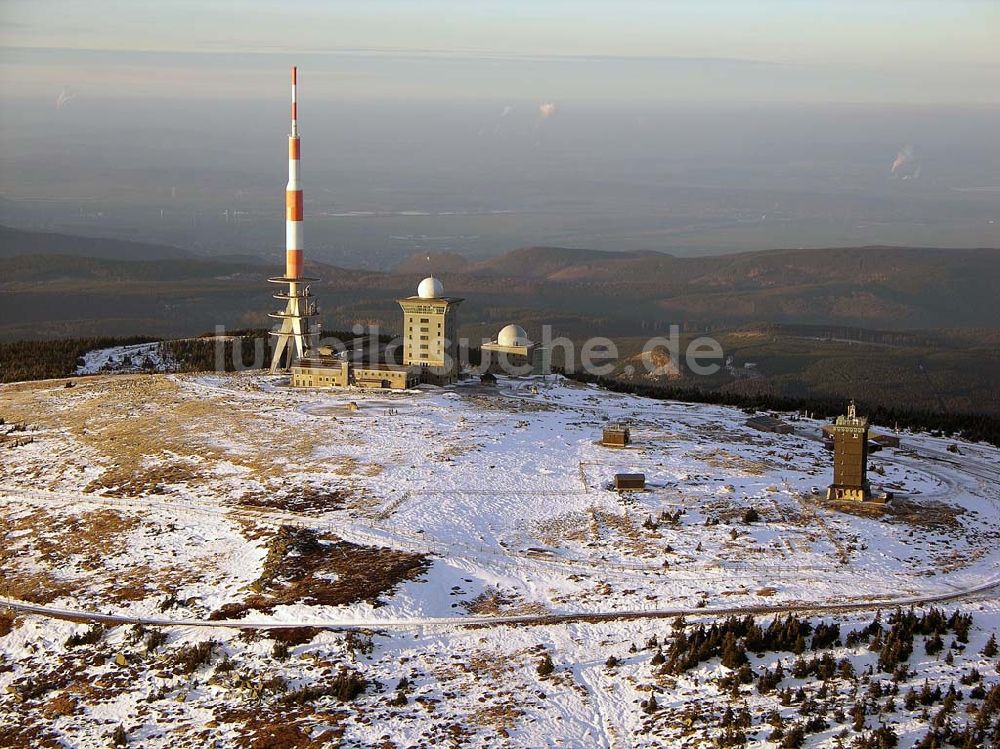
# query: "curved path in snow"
x,y
79,615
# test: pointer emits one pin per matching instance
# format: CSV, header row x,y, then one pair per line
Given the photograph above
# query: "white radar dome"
x,y
430,288
513,335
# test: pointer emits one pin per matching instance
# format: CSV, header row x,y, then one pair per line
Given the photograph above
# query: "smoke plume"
x,y
906,165
64,96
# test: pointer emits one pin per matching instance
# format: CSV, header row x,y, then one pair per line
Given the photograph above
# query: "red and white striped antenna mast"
x,y
296,331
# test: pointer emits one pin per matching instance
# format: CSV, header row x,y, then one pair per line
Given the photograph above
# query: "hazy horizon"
x,y
687,128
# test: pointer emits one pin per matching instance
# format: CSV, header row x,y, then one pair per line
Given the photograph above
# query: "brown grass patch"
x,y
494,603
308,499
735,464
58,707
36,587
573,526
93,535
130,421
928,513
293,635
29,733
284,730
507,405
6,623
134,481
90,540
301,568
500,717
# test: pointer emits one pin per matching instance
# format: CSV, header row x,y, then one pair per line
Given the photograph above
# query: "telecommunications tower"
x,y
296,331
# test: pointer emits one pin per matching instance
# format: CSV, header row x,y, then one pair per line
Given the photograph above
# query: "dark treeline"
x,y
975,427
42,360
205,354
848,333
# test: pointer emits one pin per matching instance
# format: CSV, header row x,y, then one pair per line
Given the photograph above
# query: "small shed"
x,y
616,435
630,482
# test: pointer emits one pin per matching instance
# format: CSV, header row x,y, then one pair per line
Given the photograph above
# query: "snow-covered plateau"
x,y
220,560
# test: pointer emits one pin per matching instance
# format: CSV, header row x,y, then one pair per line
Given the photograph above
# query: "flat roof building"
x,y
329,371
886,440
764,423
630,482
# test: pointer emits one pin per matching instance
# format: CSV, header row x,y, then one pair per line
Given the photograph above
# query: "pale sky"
x,y
905,51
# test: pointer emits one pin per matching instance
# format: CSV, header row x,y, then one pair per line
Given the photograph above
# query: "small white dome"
x,y
513,335
430,288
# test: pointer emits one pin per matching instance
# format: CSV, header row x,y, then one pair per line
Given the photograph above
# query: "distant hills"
x,y
579,291
892,325
14,242
892,287
892,267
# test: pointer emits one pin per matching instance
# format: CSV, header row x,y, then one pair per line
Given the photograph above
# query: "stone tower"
x,y
850,458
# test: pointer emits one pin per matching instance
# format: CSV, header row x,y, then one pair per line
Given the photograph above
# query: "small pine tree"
x,y
733,653
934,644
800,645
545,665
279,651
859,722
990,649
651,705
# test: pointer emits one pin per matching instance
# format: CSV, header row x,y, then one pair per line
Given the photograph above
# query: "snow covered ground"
x,y
135,358
165,496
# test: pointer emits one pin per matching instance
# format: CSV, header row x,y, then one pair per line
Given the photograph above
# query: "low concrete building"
x,y
390,376
330,371
886,440
765,423
320,371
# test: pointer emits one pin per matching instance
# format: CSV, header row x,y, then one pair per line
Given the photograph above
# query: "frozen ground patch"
x,y
181,484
